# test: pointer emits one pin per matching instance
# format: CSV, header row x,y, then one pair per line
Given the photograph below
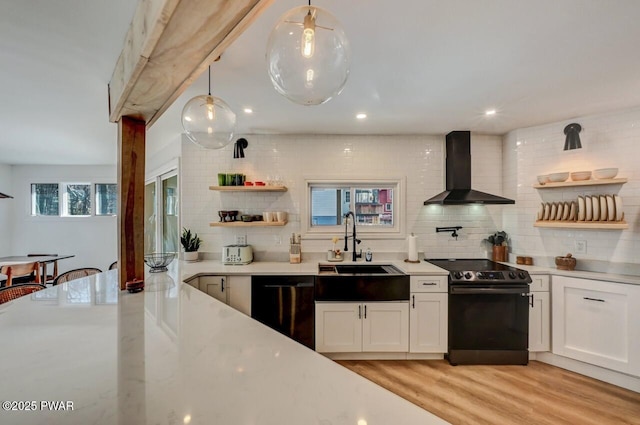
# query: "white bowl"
x,y
558,177
605,173
580,175
543,179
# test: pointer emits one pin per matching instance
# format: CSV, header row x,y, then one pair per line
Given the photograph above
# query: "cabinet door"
x,y
597,322
240,293
428,323
385,327
216,286
540,322
338,327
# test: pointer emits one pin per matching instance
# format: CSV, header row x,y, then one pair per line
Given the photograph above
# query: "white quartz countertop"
x,y
173,355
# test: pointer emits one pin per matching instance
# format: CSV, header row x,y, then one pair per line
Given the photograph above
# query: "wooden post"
x,y
131,160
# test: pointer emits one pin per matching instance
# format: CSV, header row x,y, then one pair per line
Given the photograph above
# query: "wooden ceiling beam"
x,y
169,44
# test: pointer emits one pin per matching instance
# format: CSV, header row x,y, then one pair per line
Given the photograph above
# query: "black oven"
x,y
488,312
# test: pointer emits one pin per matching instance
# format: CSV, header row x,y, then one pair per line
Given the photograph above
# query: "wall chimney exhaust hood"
x,y
2,195
458,175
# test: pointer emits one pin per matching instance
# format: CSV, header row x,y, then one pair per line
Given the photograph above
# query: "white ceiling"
x,y
418,66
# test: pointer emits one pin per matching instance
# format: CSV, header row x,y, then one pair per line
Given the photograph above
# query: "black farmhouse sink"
x,y
361,282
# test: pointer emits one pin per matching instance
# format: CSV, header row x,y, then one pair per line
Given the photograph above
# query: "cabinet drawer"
x,y
540,283
429,284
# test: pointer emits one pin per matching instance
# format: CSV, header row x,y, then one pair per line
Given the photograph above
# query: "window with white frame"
x,y
73,199
375,204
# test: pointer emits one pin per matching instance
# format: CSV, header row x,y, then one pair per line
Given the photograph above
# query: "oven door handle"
x,y
489,291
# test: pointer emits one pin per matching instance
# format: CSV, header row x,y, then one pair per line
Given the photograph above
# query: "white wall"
x,y
6,206
93,240
608,140
419,159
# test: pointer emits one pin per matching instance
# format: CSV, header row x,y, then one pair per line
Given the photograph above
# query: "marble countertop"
x,y
172,355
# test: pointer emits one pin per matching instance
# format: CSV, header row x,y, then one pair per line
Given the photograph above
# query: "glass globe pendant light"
x,y
208,121
308,56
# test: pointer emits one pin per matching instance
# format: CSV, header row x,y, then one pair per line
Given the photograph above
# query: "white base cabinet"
x,y
597,322
345,327
540,315
232,290
428,314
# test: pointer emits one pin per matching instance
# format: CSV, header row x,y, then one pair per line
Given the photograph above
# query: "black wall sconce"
x,y
239,147
573,137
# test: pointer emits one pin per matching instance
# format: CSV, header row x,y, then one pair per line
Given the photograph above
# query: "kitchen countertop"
x,y
173,355
610,277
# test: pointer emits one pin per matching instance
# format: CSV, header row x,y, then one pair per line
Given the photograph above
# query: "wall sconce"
x,y
573,137
239,147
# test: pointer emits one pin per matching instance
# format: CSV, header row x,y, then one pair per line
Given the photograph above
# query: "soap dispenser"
x,y
368,255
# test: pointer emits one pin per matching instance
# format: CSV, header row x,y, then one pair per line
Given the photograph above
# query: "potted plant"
x,y
191,243
499,242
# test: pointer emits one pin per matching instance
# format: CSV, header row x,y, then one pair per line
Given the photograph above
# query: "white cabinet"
x,y
345,327
597,322
540,315
428,314
232,290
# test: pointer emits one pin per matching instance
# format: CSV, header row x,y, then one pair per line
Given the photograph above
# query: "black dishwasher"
x,y
286,304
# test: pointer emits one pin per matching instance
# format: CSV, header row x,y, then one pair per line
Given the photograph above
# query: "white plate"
x,y
611,208
552,214
547,207
581,209
596,208
573,212
560,211
588,205
541,211
604,211
618,202
565,211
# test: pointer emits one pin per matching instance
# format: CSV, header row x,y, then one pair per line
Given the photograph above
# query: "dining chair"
x,y
49,278
76,274
113,265
21,273
10,293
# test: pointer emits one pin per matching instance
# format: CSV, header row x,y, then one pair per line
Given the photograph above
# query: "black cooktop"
x,y
480,271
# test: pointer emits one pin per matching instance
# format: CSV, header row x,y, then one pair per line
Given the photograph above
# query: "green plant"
x,y
190,243
498,238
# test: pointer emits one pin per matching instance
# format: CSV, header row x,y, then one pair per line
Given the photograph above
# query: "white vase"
x,y
190,256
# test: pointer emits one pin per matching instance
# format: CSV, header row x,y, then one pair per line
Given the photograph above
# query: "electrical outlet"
x,y
241,240
277,239
581,247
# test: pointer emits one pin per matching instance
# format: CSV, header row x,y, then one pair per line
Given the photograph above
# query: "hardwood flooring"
x,y
535,394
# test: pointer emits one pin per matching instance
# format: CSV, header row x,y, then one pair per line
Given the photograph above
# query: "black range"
x,y
488,312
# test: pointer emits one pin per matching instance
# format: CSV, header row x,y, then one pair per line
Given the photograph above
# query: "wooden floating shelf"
x,y
599,225
249,188
580,183
247,223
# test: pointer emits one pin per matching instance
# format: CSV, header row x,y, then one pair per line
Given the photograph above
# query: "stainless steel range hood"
x,y
2,195
458,175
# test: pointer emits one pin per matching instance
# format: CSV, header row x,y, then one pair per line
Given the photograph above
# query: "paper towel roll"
x,y
413,248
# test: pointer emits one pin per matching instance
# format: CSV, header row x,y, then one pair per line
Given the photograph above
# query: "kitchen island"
x,y
170,355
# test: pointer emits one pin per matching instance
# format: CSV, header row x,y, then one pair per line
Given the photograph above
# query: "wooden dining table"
x,y
44,260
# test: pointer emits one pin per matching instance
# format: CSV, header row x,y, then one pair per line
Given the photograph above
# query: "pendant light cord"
x,y
210,77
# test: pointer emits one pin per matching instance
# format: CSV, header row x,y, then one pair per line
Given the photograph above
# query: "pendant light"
x,y
308,56
572,140
208,121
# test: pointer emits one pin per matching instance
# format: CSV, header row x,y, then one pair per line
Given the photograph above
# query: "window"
x,y
106,197
44,199
73,199
375,204
76,199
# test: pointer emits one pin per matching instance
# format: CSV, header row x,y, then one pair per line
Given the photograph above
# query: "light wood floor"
x,y
535,394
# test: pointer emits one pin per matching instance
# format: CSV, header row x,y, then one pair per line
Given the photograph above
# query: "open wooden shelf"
x,y
599,225
247,223
590,182
249,189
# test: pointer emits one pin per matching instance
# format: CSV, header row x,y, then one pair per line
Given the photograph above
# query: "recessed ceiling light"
x,y
361,116
248,111
490,112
